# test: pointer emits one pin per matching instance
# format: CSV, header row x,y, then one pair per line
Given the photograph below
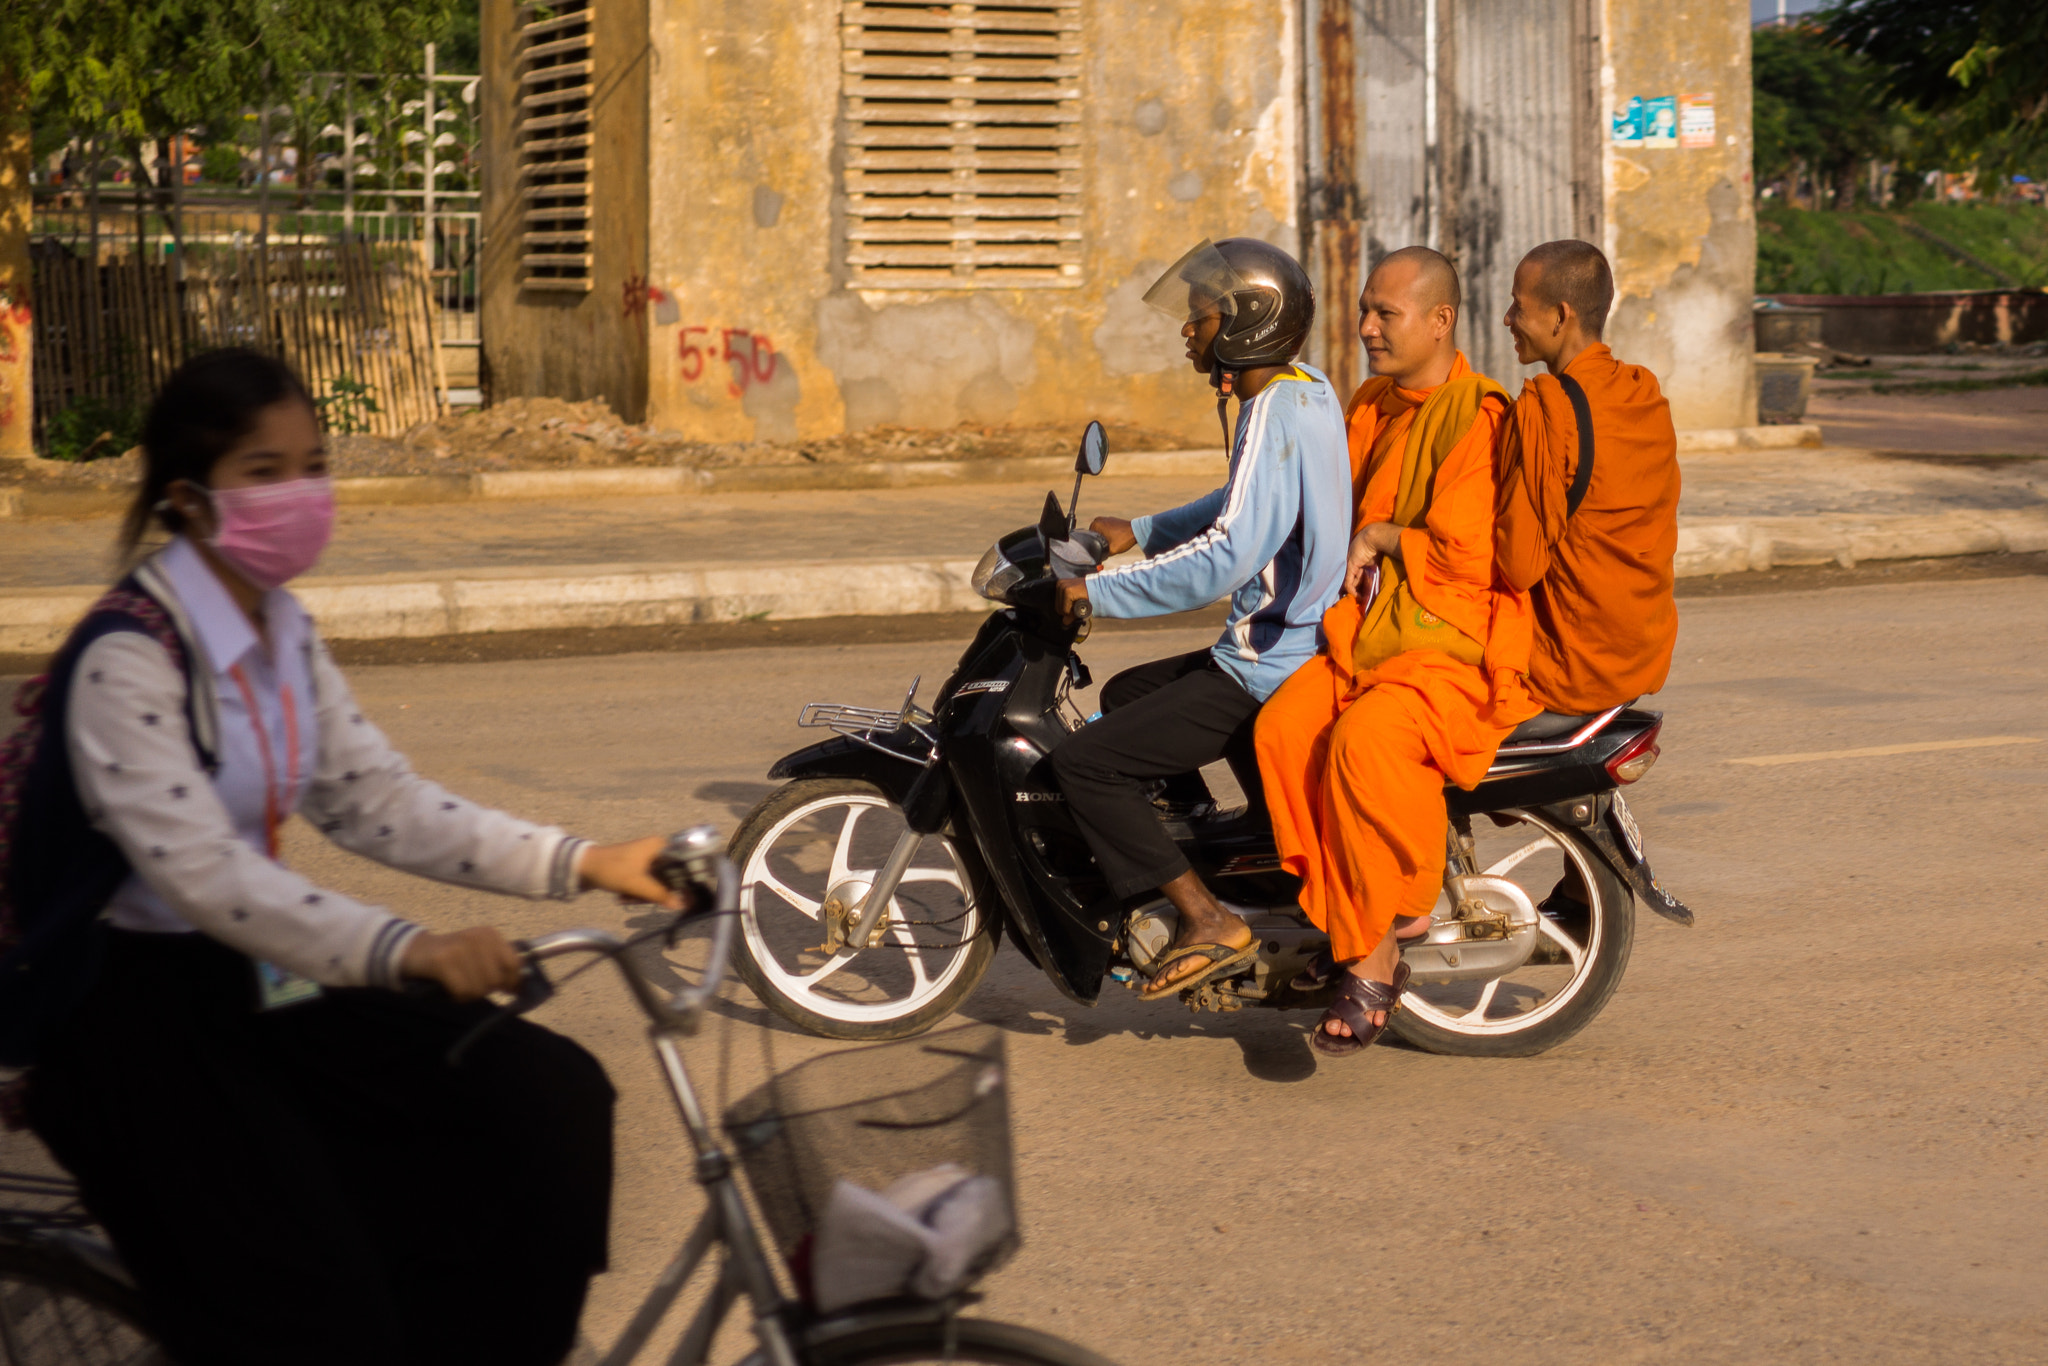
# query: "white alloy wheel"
x,y
1565,982
809,854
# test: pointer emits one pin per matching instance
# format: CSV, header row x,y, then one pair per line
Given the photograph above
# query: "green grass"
x,y
2020,380
1866,251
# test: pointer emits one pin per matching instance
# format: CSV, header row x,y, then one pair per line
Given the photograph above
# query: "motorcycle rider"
x,y
1273,539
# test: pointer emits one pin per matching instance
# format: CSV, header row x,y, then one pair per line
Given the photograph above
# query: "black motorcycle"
x,y
878,880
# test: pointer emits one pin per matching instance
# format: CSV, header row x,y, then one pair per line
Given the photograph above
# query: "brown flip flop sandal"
x,y
1222,958
1357,999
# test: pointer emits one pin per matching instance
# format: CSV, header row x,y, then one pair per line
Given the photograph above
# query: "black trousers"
x,y
1160,720
315,1184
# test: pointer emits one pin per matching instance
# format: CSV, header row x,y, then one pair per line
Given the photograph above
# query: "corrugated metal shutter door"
x,y
552,129
1514,159
961,143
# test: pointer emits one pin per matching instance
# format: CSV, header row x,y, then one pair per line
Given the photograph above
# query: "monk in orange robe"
x,y
1598,570
1419,680
1595,553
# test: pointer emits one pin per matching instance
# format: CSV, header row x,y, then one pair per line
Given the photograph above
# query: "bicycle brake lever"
x,y
536,988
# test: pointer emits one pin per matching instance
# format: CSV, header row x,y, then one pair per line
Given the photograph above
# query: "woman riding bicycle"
x,y
270,1132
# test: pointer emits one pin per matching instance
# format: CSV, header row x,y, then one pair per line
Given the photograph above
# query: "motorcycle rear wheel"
x,y
815,840
1539,1005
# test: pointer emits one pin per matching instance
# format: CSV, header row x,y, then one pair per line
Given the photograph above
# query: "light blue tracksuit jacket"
x,y
1273,538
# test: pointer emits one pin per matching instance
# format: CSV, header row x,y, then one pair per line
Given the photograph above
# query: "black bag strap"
x,y
1582,478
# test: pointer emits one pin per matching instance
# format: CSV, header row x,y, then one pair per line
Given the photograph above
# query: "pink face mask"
x,y
272,533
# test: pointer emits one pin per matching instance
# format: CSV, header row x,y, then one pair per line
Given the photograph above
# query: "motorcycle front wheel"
x,y
806,858
1566,981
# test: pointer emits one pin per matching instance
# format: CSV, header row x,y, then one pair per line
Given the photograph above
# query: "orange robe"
x,y
1356,746
1599,583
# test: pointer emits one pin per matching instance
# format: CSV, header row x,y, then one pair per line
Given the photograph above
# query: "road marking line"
x,y
1918,747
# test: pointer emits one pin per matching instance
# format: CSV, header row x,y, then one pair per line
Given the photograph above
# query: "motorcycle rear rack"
x,y
861,724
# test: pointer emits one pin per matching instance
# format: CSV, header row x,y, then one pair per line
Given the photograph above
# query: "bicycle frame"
x,y
726,1221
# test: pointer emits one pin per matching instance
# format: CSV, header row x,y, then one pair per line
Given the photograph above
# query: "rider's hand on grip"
x,y
1117,532
629,870
468,963
1072,600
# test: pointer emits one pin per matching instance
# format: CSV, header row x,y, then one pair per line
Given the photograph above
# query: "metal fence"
x,y
355,207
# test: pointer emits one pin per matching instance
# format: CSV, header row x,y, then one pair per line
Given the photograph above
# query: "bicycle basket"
x,y
897,1153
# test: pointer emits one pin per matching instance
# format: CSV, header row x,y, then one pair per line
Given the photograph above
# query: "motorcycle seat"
x,y
1546,725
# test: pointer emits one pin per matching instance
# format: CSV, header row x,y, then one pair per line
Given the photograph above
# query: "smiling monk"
x,y
1587,520
1419,679
1595,553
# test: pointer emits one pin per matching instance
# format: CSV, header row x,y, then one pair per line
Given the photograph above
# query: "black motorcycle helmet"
x,y
1263,293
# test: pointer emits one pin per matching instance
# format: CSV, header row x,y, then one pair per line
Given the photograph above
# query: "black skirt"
x,y
316,1184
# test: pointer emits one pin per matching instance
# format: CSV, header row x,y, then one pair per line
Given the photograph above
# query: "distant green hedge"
x,y
1800,251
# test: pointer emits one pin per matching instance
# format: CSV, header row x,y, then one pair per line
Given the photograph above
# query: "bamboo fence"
x,y
334,311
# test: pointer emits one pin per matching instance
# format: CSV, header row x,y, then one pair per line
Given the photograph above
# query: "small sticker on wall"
x,y
1696,121
1660,121
1628,122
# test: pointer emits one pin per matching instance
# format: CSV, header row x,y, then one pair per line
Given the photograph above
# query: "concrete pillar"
x,y
1679,219
17,335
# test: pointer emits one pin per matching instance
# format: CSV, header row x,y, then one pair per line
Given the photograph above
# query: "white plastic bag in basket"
x,y
920,1236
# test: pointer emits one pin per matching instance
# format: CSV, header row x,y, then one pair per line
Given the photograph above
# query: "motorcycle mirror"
x,y
1094,455
1094,450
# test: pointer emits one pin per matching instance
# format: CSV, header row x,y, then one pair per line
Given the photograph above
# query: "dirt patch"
x,y
554,434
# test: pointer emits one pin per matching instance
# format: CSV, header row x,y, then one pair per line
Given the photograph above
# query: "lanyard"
x,y
274,797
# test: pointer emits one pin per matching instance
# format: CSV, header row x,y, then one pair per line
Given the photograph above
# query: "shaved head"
x,y
1408,317
1435,278
1574,273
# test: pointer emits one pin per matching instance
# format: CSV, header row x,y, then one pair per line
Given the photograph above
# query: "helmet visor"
x,y
1200,284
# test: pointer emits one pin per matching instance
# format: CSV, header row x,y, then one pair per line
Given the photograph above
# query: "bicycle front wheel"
x,y
56,1309
881,1341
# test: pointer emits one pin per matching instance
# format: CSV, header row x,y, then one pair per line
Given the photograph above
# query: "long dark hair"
x,y
206,406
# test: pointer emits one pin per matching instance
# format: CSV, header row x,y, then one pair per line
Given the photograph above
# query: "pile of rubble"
x,y
552,433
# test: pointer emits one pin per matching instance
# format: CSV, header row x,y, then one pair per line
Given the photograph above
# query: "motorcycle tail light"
x,y
1635,758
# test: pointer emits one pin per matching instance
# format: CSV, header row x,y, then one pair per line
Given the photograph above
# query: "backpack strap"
x,y
1582,477
164,621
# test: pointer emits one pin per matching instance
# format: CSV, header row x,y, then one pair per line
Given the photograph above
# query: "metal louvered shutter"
x,y
553,136
962,144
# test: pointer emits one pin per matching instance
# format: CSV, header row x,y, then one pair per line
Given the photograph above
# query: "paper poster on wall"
x,y
1660,121
1696,120
1628,123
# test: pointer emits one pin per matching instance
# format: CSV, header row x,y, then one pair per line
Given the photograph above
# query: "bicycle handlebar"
x,y
693,860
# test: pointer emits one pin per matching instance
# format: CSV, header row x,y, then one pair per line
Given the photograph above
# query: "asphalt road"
x,y
1807,1130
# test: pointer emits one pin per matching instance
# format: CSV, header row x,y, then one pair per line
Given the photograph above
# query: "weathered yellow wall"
x,y
721,300
575,346
17,333
1188,131
1680,222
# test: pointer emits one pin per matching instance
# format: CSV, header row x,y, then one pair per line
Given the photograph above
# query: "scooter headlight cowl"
x,y
995,576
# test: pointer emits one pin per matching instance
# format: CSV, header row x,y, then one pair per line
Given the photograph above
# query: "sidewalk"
x,y
425,570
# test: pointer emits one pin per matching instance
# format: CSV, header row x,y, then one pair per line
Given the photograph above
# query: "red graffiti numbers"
x,y
693,358
750,357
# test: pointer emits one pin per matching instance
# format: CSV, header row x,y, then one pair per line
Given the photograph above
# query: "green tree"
x,y
1981,65
1817,111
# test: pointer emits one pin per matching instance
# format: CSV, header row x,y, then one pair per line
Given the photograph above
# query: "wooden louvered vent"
x,y
553,133
962,145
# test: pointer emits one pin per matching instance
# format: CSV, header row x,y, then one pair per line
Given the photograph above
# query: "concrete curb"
x,y
393,606
1727,547
399,606
644,482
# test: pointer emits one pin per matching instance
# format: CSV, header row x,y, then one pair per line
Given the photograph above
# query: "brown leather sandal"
x,y
1357,999
1316,975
